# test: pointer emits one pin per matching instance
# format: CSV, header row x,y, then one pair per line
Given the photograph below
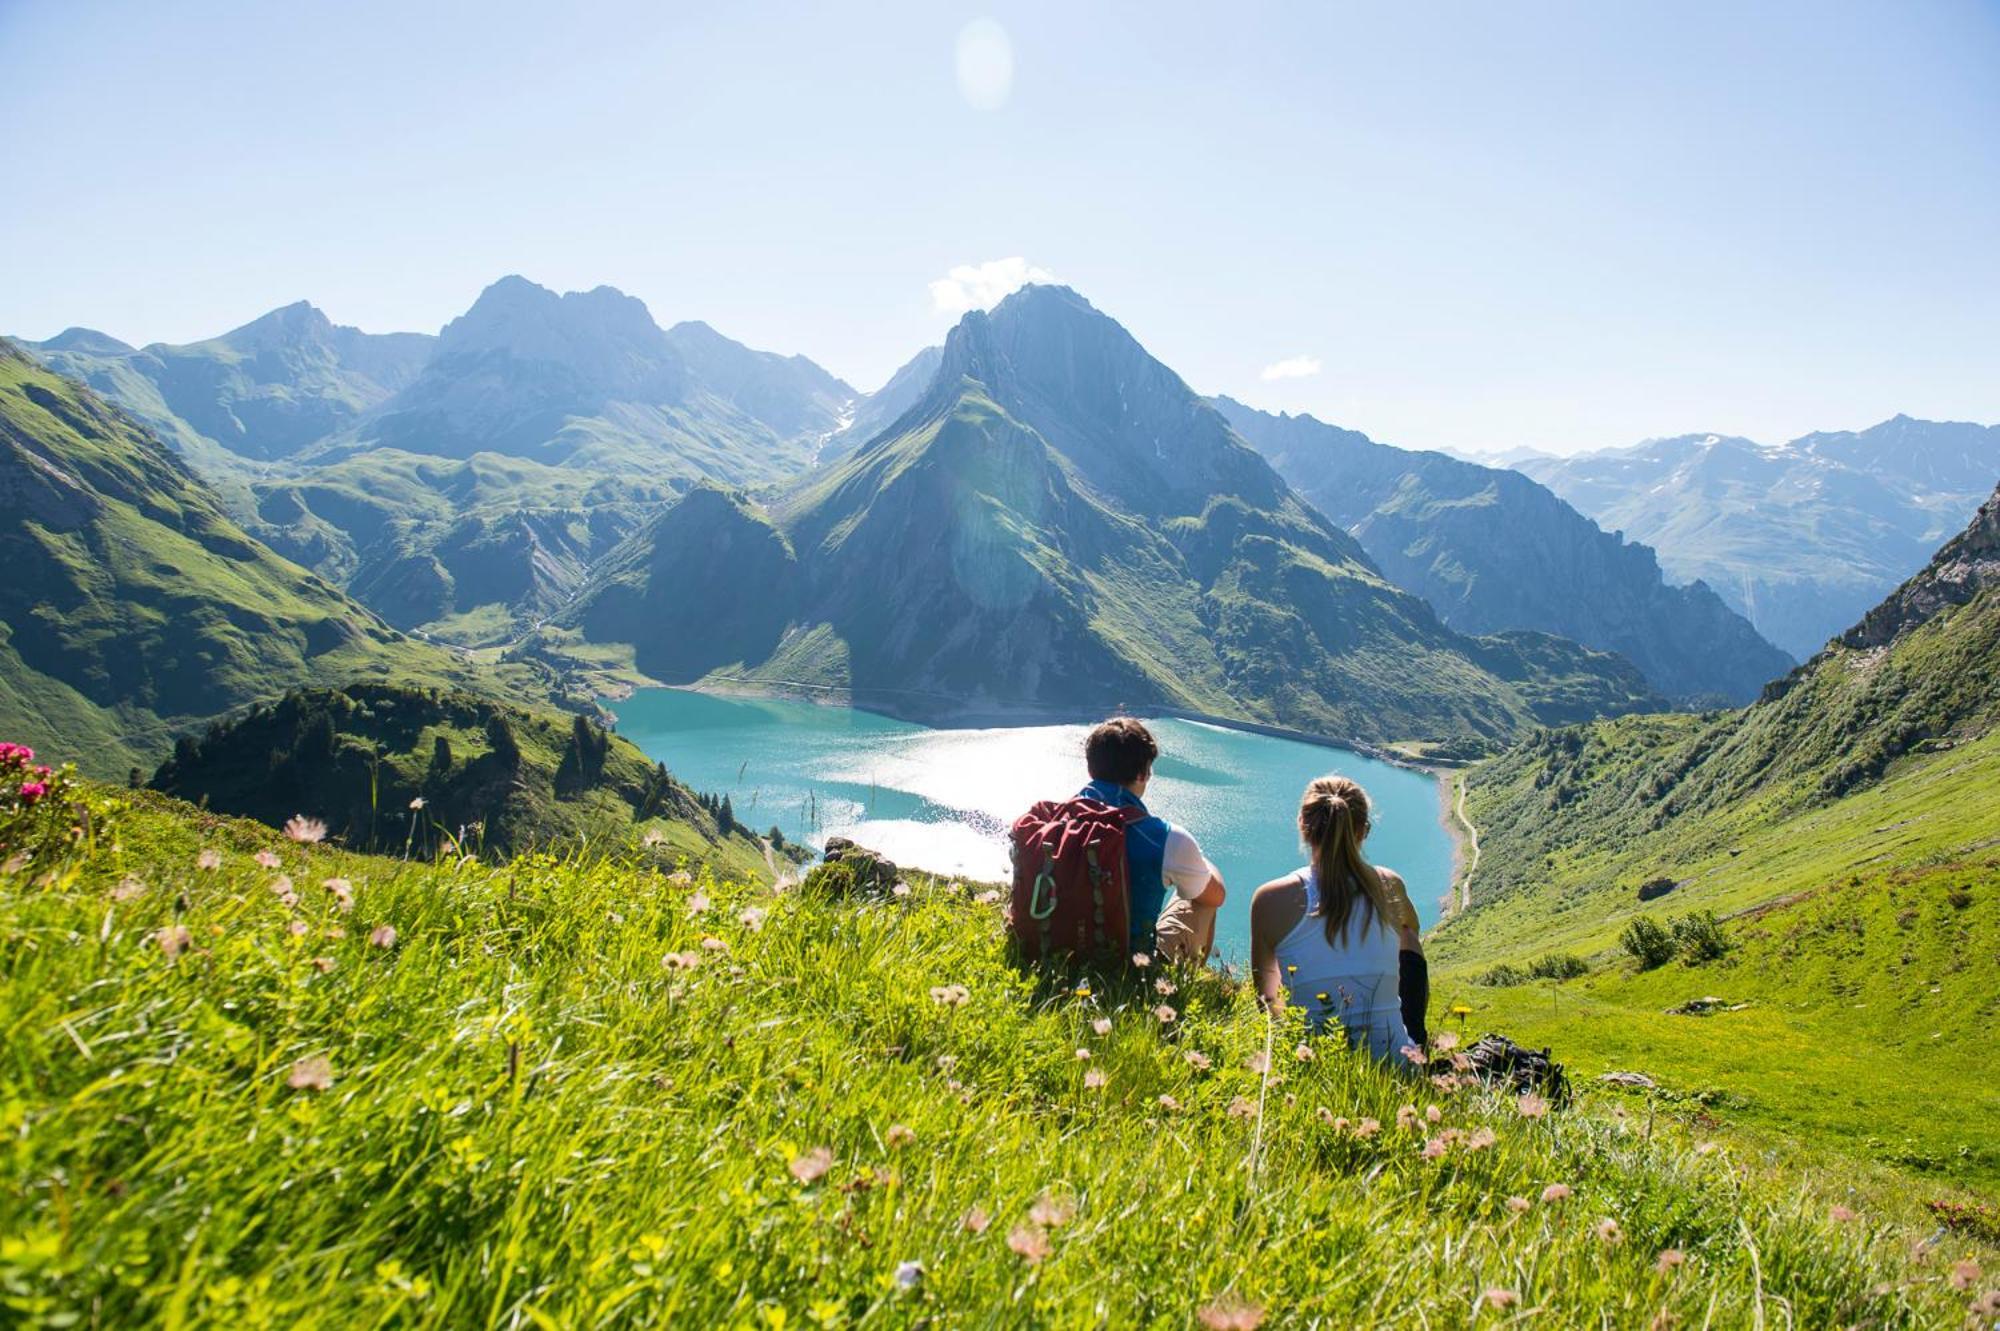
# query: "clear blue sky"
x,y
1488,225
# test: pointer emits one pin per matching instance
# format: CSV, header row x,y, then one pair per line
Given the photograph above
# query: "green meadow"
x,y
329,1089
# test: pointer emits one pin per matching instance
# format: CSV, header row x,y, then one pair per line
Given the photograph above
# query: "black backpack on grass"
x,y
1504,1065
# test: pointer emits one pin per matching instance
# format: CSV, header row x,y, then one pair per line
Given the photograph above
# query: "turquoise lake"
x,y
941,799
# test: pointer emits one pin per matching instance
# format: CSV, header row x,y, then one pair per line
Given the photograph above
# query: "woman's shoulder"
x,y
1279,903
1399,903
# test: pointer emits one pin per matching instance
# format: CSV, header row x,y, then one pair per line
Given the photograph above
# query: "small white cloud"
x,y
1292,367
981,286
985,65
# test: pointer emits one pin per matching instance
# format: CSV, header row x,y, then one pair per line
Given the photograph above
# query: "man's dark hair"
x,y
1120,750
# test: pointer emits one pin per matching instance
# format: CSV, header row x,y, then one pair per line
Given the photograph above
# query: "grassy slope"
x,y
1868,943
532,1121
136,606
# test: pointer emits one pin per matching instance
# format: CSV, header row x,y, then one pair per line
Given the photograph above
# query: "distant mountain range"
x,y
517,470
1491,549
1058,521
1802,538
465,481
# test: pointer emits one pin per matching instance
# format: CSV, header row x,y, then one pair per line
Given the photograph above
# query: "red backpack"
x,y
1071,897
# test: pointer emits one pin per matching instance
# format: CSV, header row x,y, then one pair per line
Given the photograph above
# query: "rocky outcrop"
x,y
1968,563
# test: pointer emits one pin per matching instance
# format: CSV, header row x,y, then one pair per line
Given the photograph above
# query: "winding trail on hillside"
x,y
1472,833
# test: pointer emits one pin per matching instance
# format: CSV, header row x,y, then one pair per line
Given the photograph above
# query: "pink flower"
x,y
1053,1212
324,965
713,944
1259,1062
1367,1128
1242,1107
1230,1313
1029,1242
1434,1114
1555,1192
975,1221
1083,1055
1164,987
697,903
950,995
1445,1042
1168,1103
268,859
1530,1105
1094,1080
128,888
1102,1025
1435,1148
1964,1275
1518,1204
1842,1214
174,940
1500,1298
1197,1060
305,830
1406,1118
1165,1013
752,918
296,928
209,858
681,961
1668,1260
1141,960
898,1135
1480,1139
809,1167
383,935
1414,1054
32,791
311,1074
1304,1053
1609,1230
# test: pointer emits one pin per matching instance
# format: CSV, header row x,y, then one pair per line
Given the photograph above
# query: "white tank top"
x,y
1356,983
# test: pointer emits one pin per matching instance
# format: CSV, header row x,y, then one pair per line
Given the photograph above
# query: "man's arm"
x,y
1189,872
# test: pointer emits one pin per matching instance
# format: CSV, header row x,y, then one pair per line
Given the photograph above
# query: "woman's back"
x,y
1351,978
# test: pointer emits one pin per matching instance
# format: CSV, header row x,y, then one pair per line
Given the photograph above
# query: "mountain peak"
x,y
86,340
297,322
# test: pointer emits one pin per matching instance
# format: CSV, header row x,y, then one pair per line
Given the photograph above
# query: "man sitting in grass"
x,y
1176,924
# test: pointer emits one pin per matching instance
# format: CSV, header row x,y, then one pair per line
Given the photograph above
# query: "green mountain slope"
x,y
1491,549
582,1093
1063,525
1844,826
419,770
133,604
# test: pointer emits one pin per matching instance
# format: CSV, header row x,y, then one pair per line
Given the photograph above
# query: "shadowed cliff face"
x,y
1492,550
1060,522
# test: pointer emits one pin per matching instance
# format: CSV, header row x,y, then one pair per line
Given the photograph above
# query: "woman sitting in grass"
x,y
1329,938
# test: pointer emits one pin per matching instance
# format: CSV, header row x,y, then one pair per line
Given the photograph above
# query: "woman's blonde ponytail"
x,y
1333,819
